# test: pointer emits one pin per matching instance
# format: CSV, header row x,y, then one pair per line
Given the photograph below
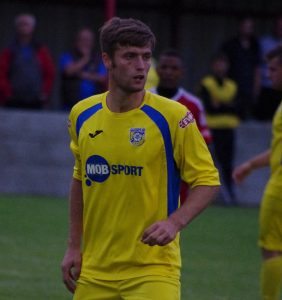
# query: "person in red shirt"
x,y
170,71
27,70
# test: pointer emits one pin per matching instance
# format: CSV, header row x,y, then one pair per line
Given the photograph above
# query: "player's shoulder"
x,y
86,104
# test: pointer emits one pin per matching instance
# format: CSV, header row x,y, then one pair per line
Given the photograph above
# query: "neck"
x,y
24,39
119,101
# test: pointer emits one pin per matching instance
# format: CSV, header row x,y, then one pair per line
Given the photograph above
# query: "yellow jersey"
x,y
274,185
130,165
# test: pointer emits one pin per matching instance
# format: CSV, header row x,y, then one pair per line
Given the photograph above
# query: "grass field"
x,y
220,256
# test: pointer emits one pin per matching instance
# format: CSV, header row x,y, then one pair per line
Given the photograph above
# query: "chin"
x,y
136,89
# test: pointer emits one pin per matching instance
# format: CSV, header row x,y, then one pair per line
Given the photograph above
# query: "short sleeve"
x,y
192,155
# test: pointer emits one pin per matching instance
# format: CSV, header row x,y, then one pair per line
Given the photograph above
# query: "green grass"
x,y
220,257
221,260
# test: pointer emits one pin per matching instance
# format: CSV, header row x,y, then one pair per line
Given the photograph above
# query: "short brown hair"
x,y
276,52
125,32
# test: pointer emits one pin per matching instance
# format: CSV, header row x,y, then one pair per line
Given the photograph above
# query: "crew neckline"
x,y
122,114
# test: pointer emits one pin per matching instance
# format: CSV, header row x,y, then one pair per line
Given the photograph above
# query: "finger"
x,y
162,239
151,238
165,240
70,285
68,275
69,282
76,272
155,237
150,230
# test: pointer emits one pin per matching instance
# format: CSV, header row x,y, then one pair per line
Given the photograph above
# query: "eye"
x,y
129,56
147,56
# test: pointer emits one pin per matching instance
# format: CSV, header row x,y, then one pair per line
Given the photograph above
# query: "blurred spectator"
x,y
243,55
170,72
83,72
26,69
269,98
219,93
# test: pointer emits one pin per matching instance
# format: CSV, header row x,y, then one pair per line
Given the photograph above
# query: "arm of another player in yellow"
x,y
256,162
163,232
71,264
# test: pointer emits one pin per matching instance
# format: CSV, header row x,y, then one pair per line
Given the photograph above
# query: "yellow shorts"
x,y
270,221
139,288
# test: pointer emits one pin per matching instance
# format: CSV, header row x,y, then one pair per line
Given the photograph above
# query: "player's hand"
x,y
71,266
241,172
160,233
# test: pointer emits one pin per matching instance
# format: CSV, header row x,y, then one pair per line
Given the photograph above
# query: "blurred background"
x,y
196,28
34,152
220,257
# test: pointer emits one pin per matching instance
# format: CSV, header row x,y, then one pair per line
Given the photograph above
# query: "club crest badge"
x,y
137,136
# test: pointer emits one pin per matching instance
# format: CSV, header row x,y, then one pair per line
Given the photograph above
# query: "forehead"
x,y
170,61
85,34
133,49
24,20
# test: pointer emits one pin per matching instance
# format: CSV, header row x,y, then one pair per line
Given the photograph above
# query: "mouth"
x,y
139,77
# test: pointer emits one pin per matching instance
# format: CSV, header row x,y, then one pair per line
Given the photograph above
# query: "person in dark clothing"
x,y
26,69
269,98
219,95
244,58
82,70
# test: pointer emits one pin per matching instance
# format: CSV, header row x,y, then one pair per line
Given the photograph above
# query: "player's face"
x,y
275,73
129,67
170,71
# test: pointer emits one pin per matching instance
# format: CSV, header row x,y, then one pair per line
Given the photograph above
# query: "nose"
x,y
140,63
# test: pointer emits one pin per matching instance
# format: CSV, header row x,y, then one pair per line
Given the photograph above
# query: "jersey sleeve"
x,y
192,155
74,146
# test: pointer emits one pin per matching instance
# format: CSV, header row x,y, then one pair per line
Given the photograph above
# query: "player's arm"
x,y
163,232
256,162
197,169
71,264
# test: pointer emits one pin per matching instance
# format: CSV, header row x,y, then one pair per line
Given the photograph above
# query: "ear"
x,y
106,60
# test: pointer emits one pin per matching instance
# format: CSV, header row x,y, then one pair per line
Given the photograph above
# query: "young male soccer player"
x,y
131,149
170,71
270,237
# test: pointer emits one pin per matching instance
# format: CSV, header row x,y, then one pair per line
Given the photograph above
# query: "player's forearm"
x,y
76,67
199,198
259,161
75,214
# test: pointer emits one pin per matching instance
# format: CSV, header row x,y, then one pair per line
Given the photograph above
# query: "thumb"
x,y
76,270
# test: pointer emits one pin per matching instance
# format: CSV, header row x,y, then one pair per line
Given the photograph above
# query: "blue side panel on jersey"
x,y
85,115
173,176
